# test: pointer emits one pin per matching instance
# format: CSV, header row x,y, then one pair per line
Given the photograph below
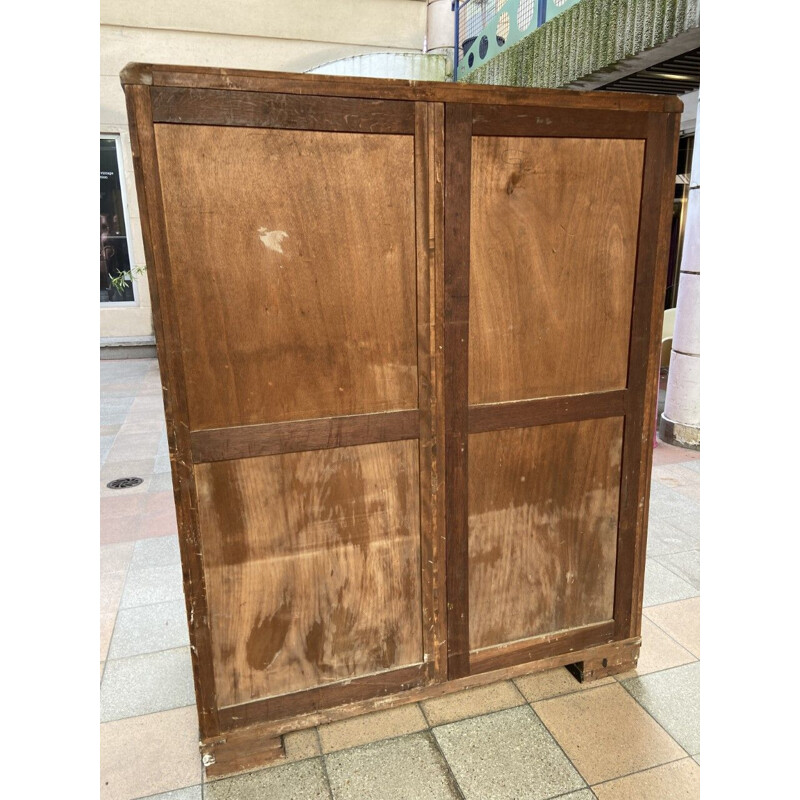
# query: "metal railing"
x,y
483,28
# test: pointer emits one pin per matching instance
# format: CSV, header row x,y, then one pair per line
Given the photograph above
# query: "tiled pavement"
x,y
633,737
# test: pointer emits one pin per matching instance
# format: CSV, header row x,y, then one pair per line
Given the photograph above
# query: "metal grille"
x,y
473,15
674,76
124,483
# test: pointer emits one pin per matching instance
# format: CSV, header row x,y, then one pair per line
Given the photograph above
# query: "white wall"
x,y
248,34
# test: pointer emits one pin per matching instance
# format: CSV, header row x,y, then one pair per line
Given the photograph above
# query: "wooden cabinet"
x,y
409,341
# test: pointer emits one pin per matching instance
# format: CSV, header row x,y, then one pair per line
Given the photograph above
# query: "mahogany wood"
x,y
408,335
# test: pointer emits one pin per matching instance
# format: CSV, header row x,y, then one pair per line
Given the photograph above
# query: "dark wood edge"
x,y
284,111
321,697
240,753
425,345
546,411
264,730
657,184
506,120
535,648
436,229
436,91
168,347
593,669
458,166
670,156
294,436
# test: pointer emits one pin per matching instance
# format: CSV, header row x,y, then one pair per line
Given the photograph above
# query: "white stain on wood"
x,y
272,240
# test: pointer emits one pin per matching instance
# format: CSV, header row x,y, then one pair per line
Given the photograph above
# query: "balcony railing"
x,y
484,28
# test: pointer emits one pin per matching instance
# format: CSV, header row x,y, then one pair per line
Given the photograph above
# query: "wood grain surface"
x,y
552,256
289,111
293,255
312,567
543,507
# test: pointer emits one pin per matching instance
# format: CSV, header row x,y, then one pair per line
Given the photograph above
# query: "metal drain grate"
x,y
124,483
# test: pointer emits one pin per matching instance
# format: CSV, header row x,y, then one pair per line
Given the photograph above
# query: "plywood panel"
x,y
543,510
293,263
312,566
552,254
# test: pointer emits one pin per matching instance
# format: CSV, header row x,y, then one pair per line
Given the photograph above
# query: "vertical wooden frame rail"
x,y
626,401
423,389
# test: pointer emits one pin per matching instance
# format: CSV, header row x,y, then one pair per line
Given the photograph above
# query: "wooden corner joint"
x,y
622,656
134,72
241,751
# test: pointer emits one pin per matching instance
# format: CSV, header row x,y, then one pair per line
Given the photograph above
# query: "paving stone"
x,y
397,769
472,703
552,683
301,744
688,522
673,698
146,684
189,793
303,780
679,780
115,557
148,755
685,565
371,727
152,585
160,551
606,733
681,621
149,629
664,538
663,586
505,756
659,651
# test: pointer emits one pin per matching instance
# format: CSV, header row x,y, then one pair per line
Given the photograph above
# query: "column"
x,y
440,31
680,423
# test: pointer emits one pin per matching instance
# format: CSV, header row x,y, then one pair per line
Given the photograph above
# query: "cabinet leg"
x,y
620,660
240,752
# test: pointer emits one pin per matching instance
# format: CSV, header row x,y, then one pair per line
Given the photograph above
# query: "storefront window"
x,y
115,262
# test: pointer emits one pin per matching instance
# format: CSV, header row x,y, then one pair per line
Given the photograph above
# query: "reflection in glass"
x,y
114,255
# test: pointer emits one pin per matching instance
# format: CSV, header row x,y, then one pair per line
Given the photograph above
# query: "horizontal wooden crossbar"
x,y
284,111
251,441
540,647
335,694
546,411
568,122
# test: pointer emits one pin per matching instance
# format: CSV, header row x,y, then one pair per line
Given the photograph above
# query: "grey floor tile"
x,y
160,551
146,684
149,629
303,780
688,522
152,585
189,793
507,755
685,565
661,585
673,698
693,465
583,794
105,447
394,769
162,481
161,465
664,538
666,502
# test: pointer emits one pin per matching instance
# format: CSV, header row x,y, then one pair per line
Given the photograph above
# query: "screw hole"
x,y
605,662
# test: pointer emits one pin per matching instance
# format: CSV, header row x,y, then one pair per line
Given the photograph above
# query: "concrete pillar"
x,y
680,423
440,31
